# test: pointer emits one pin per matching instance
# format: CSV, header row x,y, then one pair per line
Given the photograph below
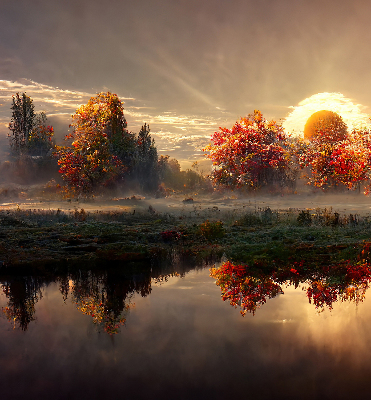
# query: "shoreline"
x,y
248,233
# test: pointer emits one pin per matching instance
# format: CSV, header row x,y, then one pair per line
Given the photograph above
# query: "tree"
x,y
170,174
102,119
173,178
254,153
100,148
22,122
40,140
145,167
30,134
336,158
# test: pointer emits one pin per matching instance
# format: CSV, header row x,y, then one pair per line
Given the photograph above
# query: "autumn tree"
x,y
335,157
101,145
254,153
30,135
41,138
102,120
325,121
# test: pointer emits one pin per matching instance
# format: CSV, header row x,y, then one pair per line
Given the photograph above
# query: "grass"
x,y
261,236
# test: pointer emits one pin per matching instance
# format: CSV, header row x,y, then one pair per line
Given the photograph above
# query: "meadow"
x,y
256,230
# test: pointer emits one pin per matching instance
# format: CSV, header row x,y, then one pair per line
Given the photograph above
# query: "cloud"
x,y
179,135
354,115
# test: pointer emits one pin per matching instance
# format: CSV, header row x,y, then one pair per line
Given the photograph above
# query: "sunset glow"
x,y
352,114
185,199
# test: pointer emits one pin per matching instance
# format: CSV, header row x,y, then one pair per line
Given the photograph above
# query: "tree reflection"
x,y
347,282
243,289
248,287
105,295
108,296
22,294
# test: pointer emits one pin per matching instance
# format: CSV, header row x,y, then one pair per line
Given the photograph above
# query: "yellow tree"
x,y
101,147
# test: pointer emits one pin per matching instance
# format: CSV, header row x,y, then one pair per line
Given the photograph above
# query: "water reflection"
x,y
22,294
184,341
108,295
105,295
249,288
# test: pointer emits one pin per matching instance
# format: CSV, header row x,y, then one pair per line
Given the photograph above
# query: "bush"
x,y
212,230
304,218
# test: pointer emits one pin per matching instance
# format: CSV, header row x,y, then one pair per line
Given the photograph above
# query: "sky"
x,y
185,67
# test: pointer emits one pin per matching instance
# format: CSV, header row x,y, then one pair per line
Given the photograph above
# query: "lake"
x,y
162,334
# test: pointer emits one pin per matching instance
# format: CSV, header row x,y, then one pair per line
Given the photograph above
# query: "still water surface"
x,y
175,338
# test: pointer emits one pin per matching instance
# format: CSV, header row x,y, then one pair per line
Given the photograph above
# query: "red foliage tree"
x,y
336,158
253,153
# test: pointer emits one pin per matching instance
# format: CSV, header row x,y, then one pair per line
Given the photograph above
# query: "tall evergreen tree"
x,y
146,168
30,135
21,123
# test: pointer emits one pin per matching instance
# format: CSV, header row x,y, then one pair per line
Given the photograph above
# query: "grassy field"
x,y
246,234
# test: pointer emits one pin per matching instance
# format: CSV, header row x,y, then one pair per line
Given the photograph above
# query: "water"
x,y
174,337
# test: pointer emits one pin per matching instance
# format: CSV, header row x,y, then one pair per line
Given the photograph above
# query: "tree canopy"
x,y
335,157
100,145
254,153
30,135
104,152
327,124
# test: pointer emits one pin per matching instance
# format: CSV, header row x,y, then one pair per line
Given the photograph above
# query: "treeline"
x,y
257,153
100,153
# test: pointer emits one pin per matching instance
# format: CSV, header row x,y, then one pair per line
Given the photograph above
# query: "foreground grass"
x,y
262,237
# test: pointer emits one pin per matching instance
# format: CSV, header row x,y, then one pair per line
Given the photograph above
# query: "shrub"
x,y
304,218
212,230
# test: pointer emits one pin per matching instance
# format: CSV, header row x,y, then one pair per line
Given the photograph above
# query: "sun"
x,y
326,120
335,103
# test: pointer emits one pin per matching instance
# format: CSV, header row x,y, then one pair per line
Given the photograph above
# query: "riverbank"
x,y
246,233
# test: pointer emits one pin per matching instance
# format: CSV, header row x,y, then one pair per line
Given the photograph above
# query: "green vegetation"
x,y
263,238
31,142
212,230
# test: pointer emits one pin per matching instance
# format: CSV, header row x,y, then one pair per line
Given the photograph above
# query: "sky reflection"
x,y
189,342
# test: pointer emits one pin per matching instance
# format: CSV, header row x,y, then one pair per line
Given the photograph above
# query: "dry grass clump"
x,y
260,217
42,217
307,217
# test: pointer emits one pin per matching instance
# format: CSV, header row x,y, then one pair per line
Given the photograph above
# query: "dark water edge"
x,y
180,340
